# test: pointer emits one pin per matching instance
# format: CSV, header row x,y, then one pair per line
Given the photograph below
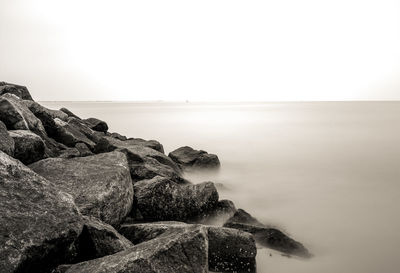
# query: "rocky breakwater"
x,y
77,198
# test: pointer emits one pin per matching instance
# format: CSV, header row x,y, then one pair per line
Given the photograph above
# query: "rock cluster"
x,y
76,198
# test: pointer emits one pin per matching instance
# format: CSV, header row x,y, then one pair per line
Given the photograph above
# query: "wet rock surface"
x,y
100,184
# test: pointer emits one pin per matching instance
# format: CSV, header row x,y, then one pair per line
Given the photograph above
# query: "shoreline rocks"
x,y
188,158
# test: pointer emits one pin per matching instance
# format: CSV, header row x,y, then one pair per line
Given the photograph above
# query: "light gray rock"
x,y
101,184
38,223
29,147
172,252
6,141
189,158
18,90
160,199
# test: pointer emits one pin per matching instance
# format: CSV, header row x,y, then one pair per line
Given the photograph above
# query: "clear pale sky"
x,y
202,50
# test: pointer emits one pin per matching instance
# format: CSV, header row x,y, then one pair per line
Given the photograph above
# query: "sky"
x,y
219,50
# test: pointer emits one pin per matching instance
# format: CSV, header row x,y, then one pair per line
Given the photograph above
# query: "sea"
x,y
326,173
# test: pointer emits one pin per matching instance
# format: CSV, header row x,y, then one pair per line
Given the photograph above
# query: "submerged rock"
x,y
266,236
172,252
100,184
99,239
29,147
38,223
229,250
96,124
18,90
159,199
6,141
187,157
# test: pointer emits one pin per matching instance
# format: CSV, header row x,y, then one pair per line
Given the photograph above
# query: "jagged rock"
x,y
118,136
266,236
83,149
99,239
38,111
29,147
187,157
159,199
16,116
18,90
70,135
229,250
96,124
6,142
144,162
172,252
69,113
79,125
100,184
38,223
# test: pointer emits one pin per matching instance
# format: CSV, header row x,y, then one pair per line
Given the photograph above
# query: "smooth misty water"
x,y
326,173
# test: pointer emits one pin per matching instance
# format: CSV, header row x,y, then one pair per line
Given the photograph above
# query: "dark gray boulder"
x,y
38,110
184,252
160,199
229,250
101,184
267,236
144,162
70,135
69,113
99,239
6,141
29,147
18,90
218,215
96,124
16,116
38,223
82,127
189,158
83,149
110,142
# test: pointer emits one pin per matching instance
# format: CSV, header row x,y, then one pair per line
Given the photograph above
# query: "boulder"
x,y
266,236
118,136
6,142
39,110
83,149
69,113
144,162
229,250
38,223
189,158
70,135
99,239
153,144
218,215
160,199
96,124
172,252
29,147
110,142
100,184
18,90
16,116
79,125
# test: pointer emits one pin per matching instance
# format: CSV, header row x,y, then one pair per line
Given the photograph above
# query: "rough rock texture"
x,y
268,237
100,184
153,144
159,199
6,141
229,250
18,90
118,136
112,142
16,116
172,252
83,149
38,110
38,223
81,126
99,239
218,215
69,113
96,124
144,162
187,157
70,135
29,147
